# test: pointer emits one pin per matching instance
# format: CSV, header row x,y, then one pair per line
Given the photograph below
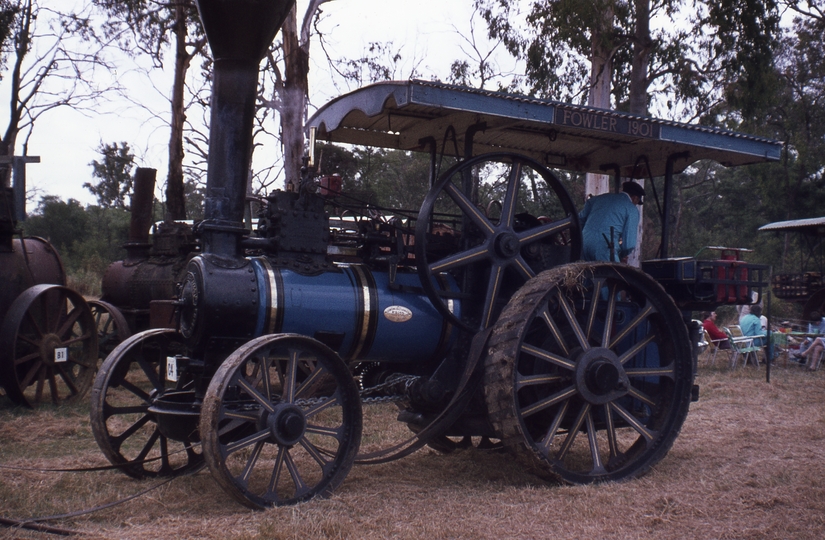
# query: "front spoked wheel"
x,y
124,421
589,373
281,421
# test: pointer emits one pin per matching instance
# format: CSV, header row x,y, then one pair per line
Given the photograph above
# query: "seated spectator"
x,y
751,325
810,349
811,355
709,324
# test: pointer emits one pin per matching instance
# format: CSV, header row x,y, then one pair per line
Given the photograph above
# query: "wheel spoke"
x,y
508,209
647,434
254,394
69,322
250,463
131,430
610,312
636,349
149,370
75,339
320,407
570,315
308,385
33,370
301,487
136,391
641,396
638,320
593,443
324,430
536,380
554,359
493,286
150,442
668,371
473,255
67,379
594,306
290,375
265,380
255,438
550,435
572,432
35,325
26,358
610,427
469,209
543,231
554,330
314,452
558,397
523,268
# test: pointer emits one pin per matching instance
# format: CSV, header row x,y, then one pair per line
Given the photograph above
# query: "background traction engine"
x,y
48,338
287,364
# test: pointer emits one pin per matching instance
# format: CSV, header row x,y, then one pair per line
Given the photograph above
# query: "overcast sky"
x,y
426,31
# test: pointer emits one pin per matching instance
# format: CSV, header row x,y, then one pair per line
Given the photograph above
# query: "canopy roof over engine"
x,y
423,116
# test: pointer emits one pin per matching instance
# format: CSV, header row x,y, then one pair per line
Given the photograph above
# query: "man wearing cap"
x,y
609,224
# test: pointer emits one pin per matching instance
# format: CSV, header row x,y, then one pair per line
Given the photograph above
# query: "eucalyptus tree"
x,y
150,28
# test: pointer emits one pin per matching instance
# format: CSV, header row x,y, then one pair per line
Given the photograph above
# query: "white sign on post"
x,y
171,369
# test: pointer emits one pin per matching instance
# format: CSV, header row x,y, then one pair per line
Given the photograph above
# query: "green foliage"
x,y
9,10
87,239
115,175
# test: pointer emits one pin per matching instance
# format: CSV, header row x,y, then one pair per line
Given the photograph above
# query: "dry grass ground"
x,y
748,464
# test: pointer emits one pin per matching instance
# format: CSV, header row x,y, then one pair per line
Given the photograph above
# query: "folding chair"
x,y
713,347
742,346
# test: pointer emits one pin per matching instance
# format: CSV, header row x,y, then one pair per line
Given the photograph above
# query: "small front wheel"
x,y
281,421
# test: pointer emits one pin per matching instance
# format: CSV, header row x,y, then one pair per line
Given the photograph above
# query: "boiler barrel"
x,y
356,312
31,261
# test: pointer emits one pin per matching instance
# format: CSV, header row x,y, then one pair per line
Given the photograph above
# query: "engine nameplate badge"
x,y
397,314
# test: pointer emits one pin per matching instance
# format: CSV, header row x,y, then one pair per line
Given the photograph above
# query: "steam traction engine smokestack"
x,y
239,32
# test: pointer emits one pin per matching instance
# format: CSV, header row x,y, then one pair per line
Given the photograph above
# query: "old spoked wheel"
x,y
493,221
124,413
589,373
112,328
49,347
281,421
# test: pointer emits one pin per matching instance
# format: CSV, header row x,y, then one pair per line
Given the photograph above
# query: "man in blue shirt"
x,y
609,224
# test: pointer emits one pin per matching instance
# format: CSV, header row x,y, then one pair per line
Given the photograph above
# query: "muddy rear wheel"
x,y
588,374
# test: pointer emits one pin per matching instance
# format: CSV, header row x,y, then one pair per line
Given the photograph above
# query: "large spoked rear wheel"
x,y
48,347
589,373
493,221
281,421
124,423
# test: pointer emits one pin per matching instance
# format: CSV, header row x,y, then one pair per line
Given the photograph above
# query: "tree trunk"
x,y
601,74
294,99
175,200
642,45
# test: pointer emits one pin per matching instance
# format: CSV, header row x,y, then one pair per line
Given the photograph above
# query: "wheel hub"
x,y
287,424
507,245
600,376
48,344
